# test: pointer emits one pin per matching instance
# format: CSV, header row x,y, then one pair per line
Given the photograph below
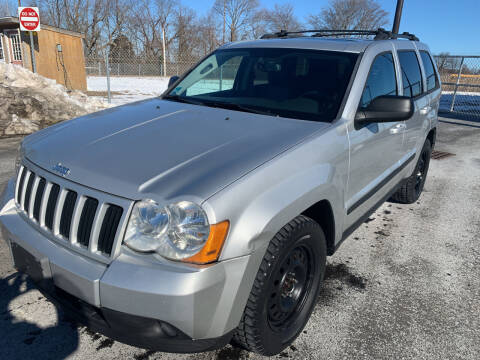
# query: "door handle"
x,y
397,128
425,110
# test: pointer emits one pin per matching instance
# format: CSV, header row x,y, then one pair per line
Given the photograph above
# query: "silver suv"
x,y
184,222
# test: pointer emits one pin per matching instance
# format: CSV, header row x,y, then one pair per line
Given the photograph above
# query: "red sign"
x,y
29,18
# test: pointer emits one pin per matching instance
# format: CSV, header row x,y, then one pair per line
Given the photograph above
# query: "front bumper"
x,y
139,292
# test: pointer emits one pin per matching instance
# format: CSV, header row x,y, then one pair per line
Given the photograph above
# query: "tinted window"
x,y
381,79
411,74
294,83
432,80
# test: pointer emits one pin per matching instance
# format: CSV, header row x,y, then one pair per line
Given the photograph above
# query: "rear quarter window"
x,y
411,74
432,79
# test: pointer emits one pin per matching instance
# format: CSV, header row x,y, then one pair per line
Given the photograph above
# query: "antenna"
x,y
398,17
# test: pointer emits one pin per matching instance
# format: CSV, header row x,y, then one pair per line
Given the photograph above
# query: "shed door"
x,y
15,46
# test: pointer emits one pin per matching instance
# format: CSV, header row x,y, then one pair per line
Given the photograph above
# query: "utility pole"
x,y
164,52
398,16
19,3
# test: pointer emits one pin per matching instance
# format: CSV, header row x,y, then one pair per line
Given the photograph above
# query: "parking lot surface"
x,y
405,285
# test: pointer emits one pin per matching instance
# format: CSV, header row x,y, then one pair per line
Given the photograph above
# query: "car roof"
x,y
352,45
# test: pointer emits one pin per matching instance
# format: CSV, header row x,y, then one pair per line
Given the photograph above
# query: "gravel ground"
x,y
406,285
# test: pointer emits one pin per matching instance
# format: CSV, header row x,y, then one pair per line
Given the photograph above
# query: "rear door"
x,y
432,85
413,87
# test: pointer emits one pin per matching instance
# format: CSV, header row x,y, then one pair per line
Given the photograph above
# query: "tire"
x,y
411,190
285,289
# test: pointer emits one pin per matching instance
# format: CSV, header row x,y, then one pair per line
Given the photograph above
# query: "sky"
x,y
444,25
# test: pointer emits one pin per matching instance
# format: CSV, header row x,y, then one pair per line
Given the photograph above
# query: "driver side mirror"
x,y
172,80
386,108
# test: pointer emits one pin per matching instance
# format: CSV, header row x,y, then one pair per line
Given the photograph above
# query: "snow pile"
x,y
30,102
126,89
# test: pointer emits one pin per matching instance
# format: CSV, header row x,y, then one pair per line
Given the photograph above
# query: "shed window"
x,y
16,47
2,56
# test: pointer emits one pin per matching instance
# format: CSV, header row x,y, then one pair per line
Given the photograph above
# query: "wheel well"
x,y
432,136
322,213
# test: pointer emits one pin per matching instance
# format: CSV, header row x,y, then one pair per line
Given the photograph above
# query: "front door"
x,y
14,46
376,150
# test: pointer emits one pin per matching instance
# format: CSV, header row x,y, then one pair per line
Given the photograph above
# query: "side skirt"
x,y
365,216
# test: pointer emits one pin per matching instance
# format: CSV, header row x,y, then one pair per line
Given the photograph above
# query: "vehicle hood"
x,y
163,149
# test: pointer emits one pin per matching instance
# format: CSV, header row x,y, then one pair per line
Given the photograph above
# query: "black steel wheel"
x,y
285,289
411,190
421,172
290,288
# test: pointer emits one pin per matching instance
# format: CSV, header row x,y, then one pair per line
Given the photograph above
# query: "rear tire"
x,y
285,289
411,190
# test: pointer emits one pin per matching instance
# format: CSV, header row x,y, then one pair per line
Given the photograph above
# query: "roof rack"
x,y
380,34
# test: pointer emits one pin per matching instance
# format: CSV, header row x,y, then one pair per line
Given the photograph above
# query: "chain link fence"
x,y
460,76
137,66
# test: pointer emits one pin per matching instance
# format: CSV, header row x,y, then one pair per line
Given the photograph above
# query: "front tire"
x,y
411,190
285,289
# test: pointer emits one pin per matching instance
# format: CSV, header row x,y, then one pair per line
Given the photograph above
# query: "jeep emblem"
x,y
62,170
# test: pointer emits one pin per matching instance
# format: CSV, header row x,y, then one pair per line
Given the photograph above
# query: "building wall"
x,y
66,67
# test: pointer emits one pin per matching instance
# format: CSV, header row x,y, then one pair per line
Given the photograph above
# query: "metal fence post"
x,y
108,78
457,83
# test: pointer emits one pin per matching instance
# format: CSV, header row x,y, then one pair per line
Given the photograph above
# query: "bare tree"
x,y
86,17
207,34
258,24
282,17
350,15
236,15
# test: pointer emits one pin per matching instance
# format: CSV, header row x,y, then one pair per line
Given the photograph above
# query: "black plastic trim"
x,y
86,221
109,228
367,214
28,192
52,202
38,198
130,329
67,214
380,185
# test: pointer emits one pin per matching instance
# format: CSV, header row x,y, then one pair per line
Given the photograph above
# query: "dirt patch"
x,y
343,273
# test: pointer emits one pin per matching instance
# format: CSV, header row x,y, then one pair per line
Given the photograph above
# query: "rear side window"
x,y
381,79
432,80
411,74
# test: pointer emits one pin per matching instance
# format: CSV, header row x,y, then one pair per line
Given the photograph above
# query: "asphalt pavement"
x,y
405,285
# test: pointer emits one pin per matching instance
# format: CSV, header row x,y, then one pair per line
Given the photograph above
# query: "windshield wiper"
x,y
181,99
218,104
232,106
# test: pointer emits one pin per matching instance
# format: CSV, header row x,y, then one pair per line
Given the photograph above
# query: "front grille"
x,y
67,213
109,228
77,219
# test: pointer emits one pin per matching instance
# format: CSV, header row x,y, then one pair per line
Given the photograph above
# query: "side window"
x,y
411,74
432,79
381,79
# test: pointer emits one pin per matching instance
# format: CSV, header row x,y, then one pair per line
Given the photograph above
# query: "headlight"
x,y
178,231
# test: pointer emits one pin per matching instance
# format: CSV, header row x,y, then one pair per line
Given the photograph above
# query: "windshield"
x,y
294,83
